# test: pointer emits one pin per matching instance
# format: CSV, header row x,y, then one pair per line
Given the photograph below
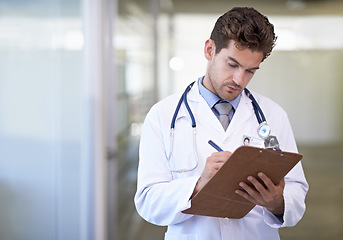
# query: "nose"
x,y
238,77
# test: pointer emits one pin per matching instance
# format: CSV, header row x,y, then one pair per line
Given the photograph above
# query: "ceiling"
x,y
275,7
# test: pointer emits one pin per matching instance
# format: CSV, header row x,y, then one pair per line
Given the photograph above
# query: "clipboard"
x,y
218,198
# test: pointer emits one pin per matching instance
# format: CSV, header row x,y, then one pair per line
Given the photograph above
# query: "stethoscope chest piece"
x,y
263,130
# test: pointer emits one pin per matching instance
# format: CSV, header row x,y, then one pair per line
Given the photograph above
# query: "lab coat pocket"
x,y
174,236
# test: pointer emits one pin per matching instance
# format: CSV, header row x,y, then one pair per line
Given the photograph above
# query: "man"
x,y
173,169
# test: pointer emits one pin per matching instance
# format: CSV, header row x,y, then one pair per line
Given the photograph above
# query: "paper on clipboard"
x,y
218,198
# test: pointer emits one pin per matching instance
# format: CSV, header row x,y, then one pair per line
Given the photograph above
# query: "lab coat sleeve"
x,y
159,198
296,186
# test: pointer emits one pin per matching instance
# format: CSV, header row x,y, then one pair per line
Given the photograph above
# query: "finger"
x,y
264,194
222,155
217,165
273,189
214,163
258,186
273,192
246,196
251,192
212,168
282,183
215,160
266,180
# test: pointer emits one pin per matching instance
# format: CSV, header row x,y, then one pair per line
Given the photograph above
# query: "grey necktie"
x,y
223,109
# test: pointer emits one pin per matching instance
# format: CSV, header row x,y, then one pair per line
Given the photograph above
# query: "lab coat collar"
x,y
202,111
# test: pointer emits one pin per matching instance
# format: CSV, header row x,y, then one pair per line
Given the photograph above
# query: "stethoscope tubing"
x,y
258,111
183,99
262,128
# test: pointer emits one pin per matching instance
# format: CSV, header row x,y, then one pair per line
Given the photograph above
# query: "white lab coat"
x,y
162,195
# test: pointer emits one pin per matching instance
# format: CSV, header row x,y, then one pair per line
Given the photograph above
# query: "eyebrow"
x,y
233,59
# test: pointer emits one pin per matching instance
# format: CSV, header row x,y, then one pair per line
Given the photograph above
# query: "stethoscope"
x,y
263,129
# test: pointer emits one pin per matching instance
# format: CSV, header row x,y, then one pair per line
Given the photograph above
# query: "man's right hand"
x,y
213,164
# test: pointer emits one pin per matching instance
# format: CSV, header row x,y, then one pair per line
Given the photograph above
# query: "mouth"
x,y
232,89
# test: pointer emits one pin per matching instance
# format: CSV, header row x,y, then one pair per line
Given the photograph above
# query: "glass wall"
x,y
51,126
41,46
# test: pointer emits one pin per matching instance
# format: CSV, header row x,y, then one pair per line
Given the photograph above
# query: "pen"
x,y
215,146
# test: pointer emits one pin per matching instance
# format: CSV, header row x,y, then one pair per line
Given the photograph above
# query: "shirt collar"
x,y
212,99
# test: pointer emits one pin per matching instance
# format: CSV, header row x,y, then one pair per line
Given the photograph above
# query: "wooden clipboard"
x,y
218,198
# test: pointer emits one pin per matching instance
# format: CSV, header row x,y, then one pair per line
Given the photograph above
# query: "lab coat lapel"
x,y
243,112
202,110
192,100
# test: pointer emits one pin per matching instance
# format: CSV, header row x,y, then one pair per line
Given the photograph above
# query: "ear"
x,y
209,49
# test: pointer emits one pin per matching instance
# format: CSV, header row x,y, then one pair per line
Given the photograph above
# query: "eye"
x,y
233,65
251,71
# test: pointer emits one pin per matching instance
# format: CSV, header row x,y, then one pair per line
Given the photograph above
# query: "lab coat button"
x,y
226,220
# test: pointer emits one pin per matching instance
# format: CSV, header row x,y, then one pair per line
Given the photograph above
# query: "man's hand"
x,y
213,164
269,196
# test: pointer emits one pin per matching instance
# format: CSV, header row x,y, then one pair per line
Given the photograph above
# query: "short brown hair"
x,y
247,27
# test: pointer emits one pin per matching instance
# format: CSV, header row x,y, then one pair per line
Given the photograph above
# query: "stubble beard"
x,y
221,92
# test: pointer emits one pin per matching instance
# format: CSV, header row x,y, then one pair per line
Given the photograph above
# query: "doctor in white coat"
x,y
241,39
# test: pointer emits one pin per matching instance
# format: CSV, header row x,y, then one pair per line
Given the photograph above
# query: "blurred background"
x,y
77,78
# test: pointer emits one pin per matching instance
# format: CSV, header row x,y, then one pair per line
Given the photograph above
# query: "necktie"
x,y
223,109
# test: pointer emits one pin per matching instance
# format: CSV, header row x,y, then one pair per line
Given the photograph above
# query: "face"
x,y
229,71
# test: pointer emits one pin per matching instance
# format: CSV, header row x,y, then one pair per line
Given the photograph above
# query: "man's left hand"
x,y
269,196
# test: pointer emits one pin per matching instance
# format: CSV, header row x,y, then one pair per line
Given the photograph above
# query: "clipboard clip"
x,y
271,143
